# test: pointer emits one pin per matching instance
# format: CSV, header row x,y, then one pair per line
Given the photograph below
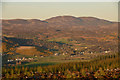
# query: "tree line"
x,y
106,67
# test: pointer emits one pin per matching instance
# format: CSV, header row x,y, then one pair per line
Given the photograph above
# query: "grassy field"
x,y
52,60
63,40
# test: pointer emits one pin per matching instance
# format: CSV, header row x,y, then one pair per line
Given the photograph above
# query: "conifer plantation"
x,y
103,67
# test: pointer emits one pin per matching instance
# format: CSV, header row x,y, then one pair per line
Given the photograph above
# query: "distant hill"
x,y
73,31
79,21
32,27
64,35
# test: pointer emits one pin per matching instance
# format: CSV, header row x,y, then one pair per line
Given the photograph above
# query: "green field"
x,y
52,60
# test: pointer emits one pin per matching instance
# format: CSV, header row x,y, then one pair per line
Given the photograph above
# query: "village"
x,y
63,56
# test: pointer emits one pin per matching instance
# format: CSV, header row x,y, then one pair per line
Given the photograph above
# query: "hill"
x,y
64,34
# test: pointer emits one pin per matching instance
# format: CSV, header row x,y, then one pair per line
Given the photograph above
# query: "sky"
x,y
45,10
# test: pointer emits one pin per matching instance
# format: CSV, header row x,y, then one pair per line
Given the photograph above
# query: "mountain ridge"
x,y
59,24
56,17
60,21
